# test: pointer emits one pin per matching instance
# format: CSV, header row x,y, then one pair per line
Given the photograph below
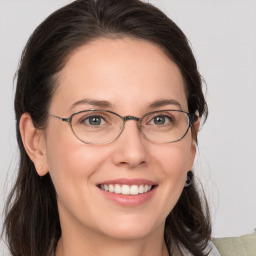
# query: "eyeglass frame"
x,y
191,117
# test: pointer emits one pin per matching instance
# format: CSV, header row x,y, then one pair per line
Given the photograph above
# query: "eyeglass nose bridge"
x,y
127,118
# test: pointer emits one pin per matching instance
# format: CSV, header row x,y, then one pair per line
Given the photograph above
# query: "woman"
x,y
108,106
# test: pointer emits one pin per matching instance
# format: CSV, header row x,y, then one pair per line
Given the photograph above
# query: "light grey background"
x,y
223,38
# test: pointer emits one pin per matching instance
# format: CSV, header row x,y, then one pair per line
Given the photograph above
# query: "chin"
x,y
128,234
131,229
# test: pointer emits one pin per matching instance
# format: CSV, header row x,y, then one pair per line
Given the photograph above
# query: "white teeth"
x,y
117,189
141,189
126,189
134,190
111,188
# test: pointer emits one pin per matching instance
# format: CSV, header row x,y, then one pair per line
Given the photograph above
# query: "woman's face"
x,y
125,76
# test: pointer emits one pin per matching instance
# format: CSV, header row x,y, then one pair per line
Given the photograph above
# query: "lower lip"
x,y
129,200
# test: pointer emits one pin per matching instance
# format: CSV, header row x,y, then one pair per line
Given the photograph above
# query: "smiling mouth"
x,y
126,189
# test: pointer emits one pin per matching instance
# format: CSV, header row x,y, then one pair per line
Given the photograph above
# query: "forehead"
x,y
126,72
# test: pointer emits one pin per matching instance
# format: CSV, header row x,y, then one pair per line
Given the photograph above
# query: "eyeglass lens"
x,y
101,127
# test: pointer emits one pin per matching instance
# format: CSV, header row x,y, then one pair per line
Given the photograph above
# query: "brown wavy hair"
x,y
32,226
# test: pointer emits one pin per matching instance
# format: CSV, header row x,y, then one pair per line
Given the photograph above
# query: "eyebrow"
x,y
93,102
107,104
164,102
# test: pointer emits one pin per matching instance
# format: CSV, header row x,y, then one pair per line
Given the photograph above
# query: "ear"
x,y
195,129
34,143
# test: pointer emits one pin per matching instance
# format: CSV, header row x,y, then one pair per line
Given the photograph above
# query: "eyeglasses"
x,y
99,126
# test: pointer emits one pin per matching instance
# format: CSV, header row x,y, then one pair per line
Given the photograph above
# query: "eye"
x,y
160,120
94,120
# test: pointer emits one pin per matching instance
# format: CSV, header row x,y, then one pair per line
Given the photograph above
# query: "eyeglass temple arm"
x,y
193,119
61,118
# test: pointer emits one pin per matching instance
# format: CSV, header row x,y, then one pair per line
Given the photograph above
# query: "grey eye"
x,y
94,120
160,120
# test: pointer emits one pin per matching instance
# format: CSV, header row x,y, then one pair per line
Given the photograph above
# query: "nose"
x,y
130,149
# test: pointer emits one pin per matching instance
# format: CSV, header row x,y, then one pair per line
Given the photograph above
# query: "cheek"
x,y
71,164
65,153
173,162
72,169
175,159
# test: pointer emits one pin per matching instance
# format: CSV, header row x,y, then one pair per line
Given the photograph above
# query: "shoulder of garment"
x,y
210,250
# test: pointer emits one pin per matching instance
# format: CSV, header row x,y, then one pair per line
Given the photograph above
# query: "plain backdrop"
x,y
223,38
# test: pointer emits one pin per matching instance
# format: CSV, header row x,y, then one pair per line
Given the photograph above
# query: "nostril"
x,y
130,163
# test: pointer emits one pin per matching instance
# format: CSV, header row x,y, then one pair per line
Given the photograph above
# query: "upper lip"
x,y
125,181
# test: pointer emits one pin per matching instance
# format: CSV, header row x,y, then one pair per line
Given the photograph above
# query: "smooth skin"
x,y
128,75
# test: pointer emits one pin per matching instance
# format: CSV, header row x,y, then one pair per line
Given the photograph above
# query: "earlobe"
x,y
34,143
